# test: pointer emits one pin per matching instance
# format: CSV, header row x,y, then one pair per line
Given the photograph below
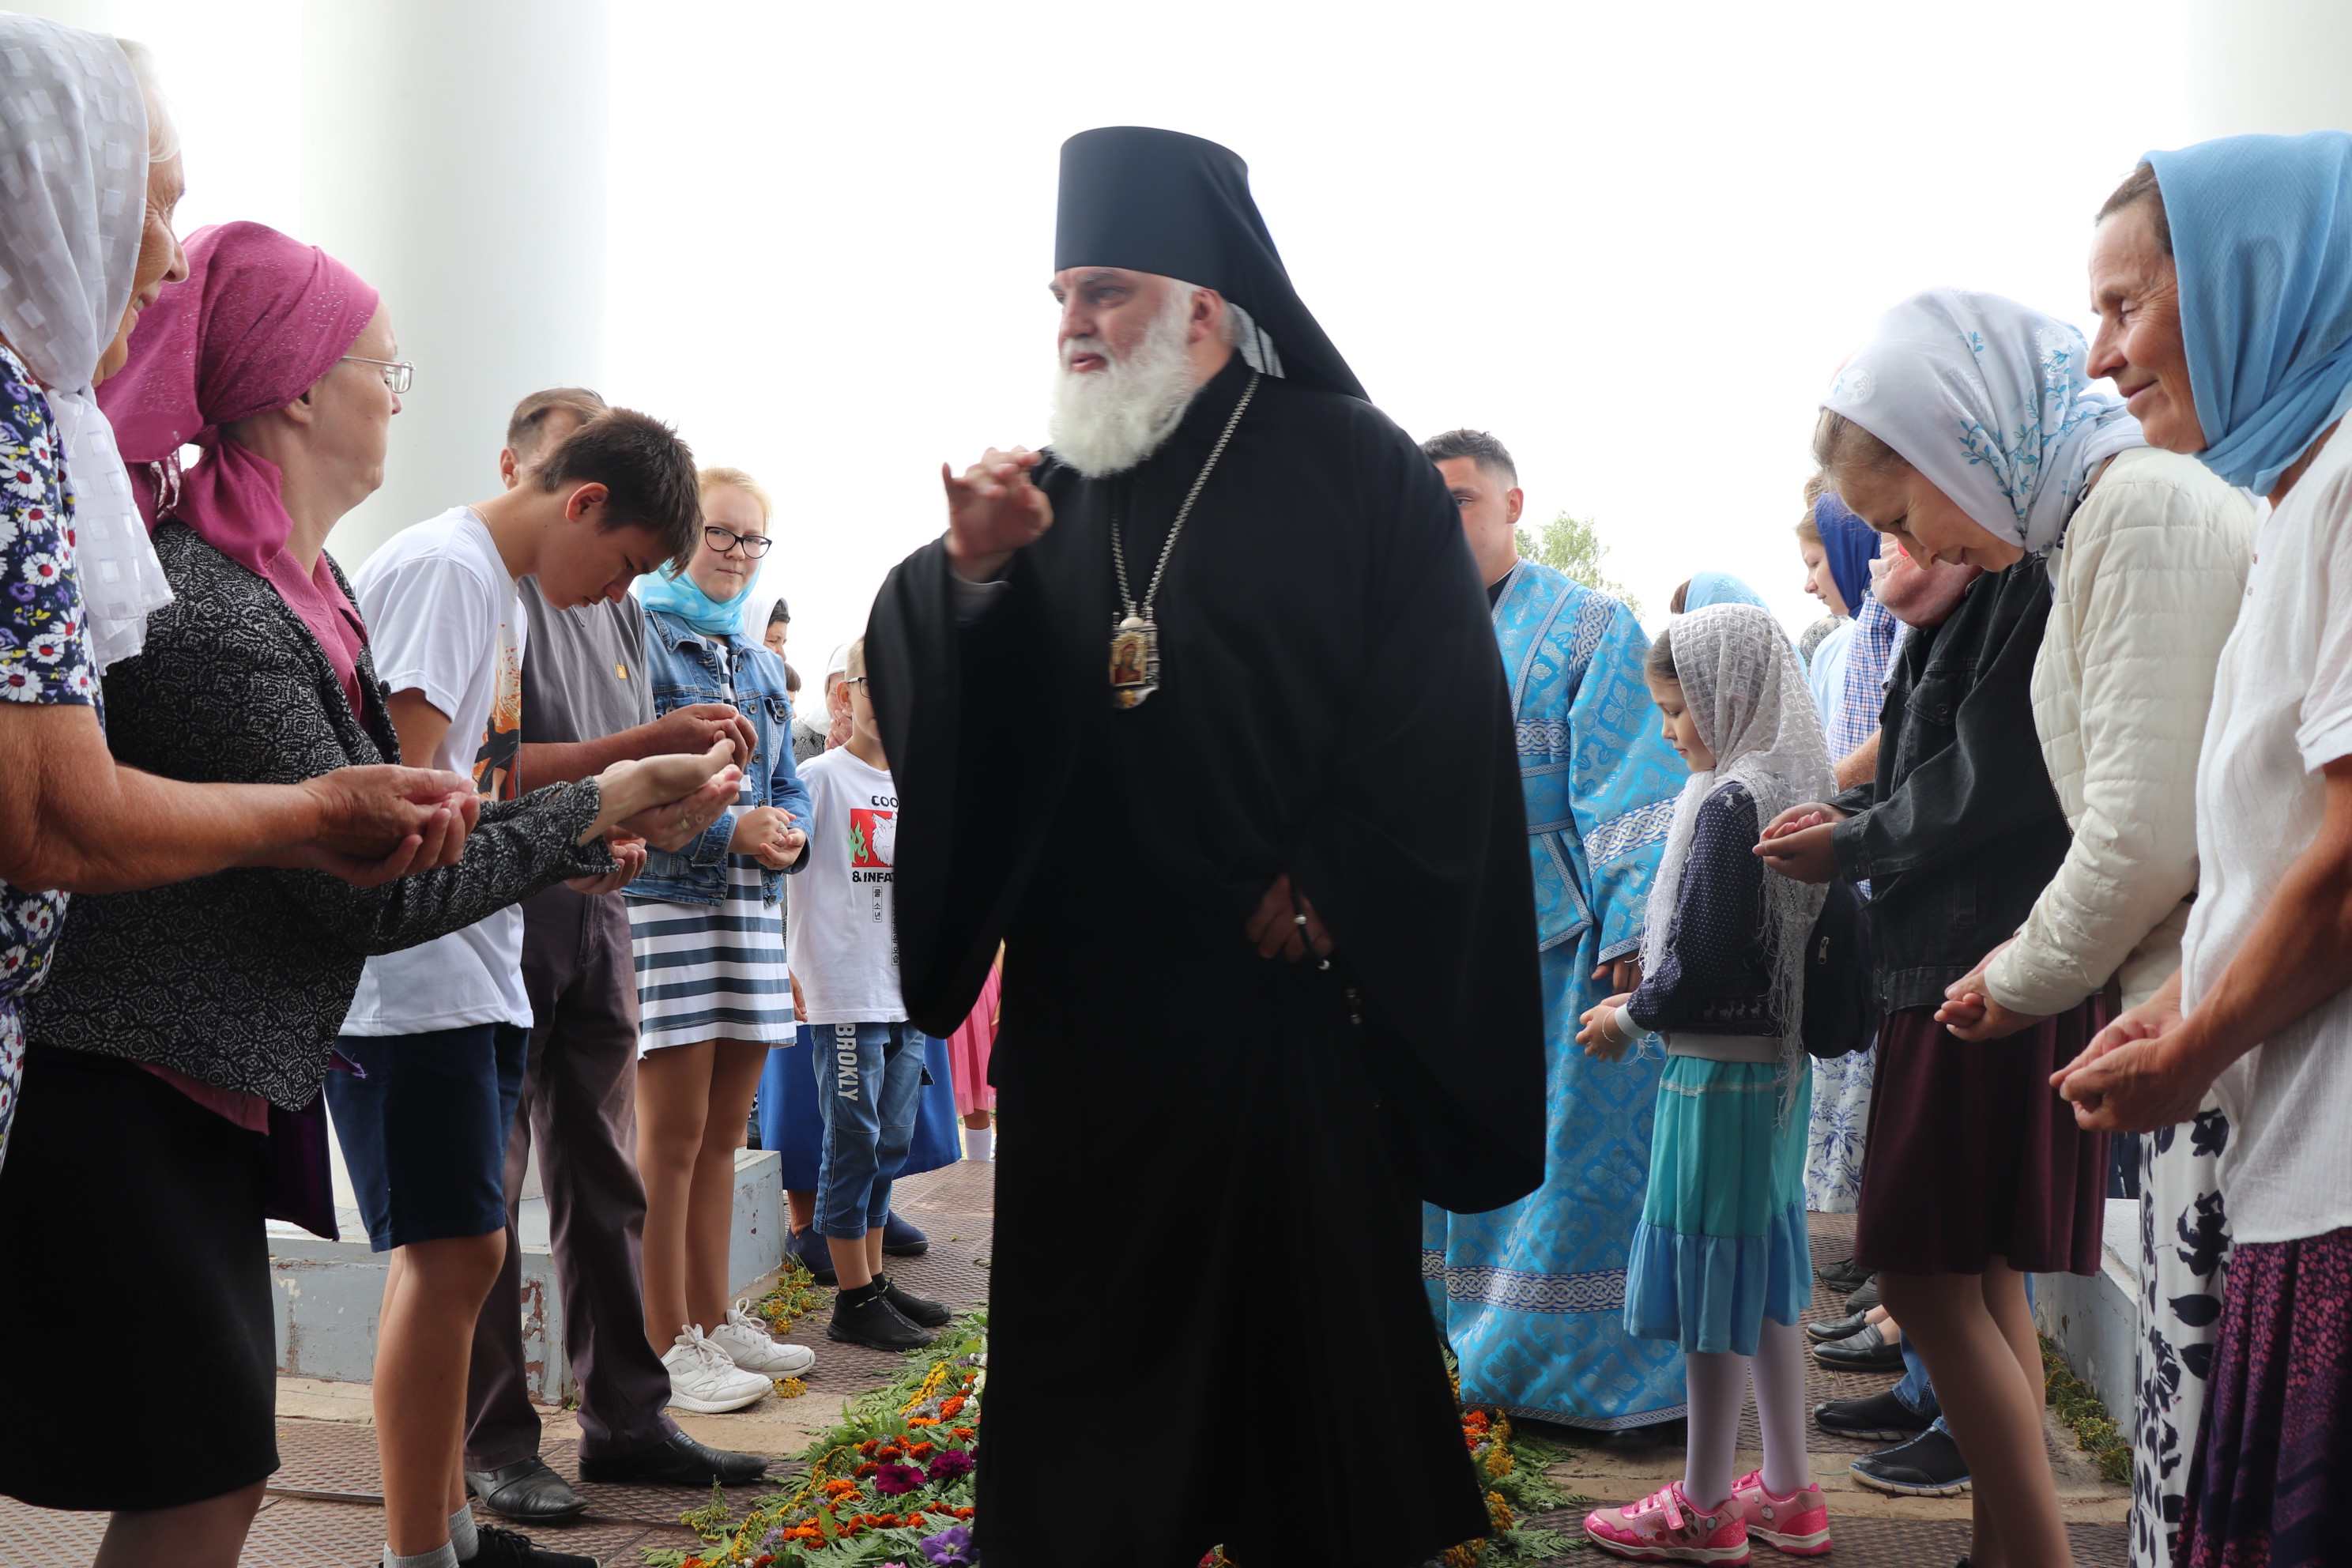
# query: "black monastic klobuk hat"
x,y
1160,201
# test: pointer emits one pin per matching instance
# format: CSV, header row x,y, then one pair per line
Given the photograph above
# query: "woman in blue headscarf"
x,y
1838,548
2223,277
1706,588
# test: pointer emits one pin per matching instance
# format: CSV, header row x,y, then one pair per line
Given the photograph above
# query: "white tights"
x,y
1719,1391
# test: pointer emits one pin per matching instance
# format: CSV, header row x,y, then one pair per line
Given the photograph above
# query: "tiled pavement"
x,y
324,1506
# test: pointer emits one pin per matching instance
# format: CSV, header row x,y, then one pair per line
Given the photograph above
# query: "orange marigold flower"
x,y
952,1405
892,1452
841,1488
921,1450
921,1421
869,1445
867,1469
965,1433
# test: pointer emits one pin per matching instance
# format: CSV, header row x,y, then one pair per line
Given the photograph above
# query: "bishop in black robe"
x,y
1205,1290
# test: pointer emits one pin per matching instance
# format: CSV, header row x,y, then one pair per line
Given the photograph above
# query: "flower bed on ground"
x,y
891,1487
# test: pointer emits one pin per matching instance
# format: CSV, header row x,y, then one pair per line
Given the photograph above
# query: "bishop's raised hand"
x,y
992,510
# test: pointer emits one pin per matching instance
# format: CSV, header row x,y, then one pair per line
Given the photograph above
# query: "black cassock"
x,y
1206,1285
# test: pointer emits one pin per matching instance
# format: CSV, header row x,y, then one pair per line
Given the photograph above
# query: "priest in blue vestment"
x,y
1532,1295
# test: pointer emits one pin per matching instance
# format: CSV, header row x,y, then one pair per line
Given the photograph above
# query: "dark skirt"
x,y
1972,1155
2275,1445
121,1194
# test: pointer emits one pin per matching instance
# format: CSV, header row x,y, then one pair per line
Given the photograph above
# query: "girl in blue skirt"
x,y
1719,1261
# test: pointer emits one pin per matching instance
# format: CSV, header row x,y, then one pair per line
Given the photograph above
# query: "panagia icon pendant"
x,y
1134,661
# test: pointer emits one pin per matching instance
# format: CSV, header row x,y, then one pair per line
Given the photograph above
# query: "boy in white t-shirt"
x,y
440,1031
843,946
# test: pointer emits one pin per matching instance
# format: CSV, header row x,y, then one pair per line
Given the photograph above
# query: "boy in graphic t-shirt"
x,y
868,1060
440,1031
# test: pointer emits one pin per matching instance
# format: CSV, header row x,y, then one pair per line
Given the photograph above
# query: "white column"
x,y
2278,65
453,153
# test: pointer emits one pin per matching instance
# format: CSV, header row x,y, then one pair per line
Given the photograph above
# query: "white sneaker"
x,y
748,1345
703,1377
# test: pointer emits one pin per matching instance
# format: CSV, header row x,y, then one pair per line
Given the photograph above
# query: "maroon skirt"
x,y
1971,1155
2275,1447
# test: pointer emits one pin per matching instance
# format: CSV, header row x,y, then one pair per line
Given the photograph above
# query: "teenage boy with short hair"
x,y
586,702
439,1031
867,1059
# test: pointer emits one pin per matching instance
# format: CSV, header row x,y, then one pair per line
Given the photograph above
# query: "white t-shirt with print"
x,y
443,621
2282,709
843,942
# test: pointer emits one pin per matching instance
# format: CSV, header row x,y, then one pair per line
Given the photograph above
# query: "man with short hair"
x,y
1236,603
586,702
440,1032
1533,1295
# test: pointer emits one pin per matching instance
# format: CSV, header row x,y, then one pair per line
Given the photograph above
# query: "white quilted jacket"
x,y
2147,586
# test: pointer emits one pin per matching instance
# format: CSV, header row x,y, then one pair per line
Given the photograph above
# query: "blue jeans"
x,y
869,1076
1918,1389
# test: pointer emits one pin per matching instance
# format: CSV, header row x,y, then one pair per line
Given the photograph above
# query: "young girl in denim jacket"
x,y
1719,1261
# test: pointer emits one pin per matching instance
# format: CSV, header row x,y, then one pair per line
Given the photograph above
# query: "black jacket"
x,y
1716,977
242,979
1961,830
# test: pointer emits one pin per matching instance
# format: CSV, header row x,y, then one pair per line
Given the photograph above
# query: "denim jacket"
x,y
1961,829
685,667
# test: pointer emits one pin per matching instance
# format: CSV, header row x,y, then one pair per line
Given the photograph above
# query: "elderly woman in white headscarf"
x,y
1968,430
92,171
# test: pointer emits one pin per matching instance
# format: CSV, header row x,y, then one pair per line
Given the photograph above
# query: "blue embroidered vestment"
x,y
1532,1295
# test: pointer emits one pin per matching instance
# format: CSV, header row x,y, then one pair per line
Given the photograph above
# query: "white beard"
x,y
1107,421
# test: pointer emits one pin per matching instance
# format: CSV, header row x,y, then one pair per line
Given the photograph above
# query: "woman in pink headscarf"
x,y
175,1056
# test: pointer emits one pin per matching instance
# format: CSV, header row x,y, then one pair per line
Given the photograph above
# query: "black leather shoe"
x,y
1867,1350
1881,1418
1844,1277
901,1239
512,1549
918,1310
1931,1465
528,1491
1843,1327
1863,1299
678,1462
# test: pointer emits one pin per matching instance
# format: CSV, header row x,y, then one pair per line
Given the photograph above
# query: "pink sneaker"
x,y
1798,1523
1664,1528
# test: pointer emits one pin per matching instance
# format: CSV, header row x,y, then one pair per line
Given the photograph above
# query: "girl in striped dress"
x,y
707,923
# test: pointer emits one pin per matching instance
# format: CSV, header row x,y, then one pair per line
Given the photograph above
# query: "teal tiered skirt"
x,y
1721,1244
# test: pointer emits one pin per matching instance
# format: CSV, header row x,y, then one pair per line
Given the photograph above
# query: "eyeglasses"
x,y
724,540
397,373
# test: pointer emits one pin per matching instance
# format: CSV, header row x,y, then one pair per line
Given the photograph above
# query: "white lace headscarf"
x,y
73,186
1747,694
1992,401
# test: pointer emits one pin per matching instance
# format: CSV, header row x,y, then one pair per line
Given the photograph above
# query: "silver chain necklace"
x,y
1134,639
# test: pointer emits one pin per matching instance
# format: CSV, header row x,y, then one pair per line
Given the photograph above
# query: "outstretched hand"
x,y
992,510
1286,925
382,822
666,801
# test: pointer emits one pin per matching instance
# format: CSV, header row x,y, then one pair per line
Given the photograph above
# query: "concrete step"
x,y
329,1292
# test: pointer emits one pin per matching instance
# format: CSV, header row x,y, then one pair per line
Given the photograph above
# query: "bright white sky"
x,y
1632,240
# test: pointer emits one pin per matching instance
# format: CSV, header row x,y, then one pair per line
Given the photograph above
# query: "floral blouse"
x,y
44,656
